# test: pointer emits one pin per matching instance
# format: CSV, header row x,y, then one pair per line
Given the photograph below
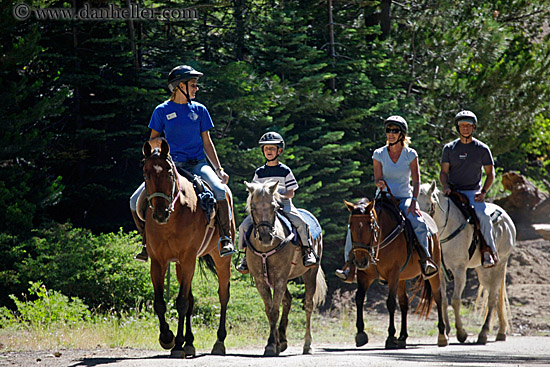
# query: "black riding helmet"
x,y
465,115
181,73
397,121
272,138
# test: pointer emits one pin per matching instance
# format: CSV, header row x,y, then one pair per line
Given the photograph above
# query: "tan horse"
x,y
273,261
456,236
175,227
378,256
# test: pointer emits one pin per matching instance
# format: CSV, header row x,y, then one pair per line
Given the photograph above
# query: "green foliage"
x,y
97,269
48,308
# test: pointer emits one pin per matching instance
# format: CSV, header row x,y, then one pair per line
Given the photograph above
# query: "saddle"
x,y
204,193
469,213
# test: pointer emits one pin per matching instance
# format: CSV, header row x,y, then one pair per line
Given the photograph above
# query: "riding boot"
x,y
309,256
427,265
243,266
142,256
347,274
489,258
223,218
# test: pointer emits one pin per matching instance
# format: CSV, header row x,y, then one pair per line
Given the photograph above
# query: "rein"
x,y
456,231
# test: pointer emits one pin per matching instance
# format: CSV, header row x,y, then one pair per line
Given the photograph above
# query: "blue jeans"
x,y
201,169
484,217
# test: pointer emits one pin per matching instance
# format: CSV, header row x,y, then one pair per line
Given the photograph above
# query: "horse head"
x,y
363,225
160,177
262,203
428,198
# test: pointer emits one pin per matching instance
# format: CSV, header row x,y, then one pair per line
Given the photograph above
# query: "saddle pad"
x,y
314,226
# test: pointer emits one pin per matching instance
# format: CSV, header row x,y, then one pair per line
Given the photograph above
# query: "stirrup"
x,y
142,256
488,260
243,266
425,275
227,253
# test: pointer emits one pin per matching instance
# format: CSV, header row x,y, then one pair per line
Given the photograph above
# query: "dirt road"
x,y
516,351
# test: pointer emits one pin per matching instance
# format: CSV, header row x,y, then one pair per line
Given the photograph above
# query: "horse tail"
x,y
320,289
426,297
207,263
504,303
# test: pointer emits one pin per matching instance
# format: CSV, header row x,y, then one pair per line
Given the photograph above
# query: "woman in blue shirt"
x,y
185,125
394,165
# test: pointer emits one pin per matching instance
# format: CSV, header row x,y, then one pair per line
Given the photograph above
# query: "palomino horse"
x,y
175,227
457,237
380,251
273,262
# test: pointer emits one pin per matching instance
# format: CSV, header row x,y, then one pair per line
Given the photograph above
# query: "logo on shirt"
x,y
193,116
171,116
463,156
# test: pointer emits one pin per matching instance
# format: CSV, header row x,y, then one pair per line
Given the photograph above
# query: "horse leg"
x,y
502,307
404,306
270,311
438,292
361,338
391,342
287,302
189,348
489,279
459,284
223,269
182,306
310,280
166,337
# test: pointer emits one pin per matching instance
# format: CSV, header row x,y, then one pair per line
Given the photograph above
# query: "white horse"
x,y
456,237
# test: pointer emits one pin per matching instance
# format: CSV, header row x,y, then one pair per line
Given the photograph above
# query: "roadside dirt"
x,y
528,344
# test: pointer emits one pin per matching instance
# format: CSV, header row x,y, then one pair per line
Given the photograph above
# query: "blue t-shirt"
x,y
397,175
182,125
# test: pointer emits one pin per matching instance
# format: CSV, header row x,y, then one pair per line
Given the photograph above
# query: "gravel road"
x,y
516,351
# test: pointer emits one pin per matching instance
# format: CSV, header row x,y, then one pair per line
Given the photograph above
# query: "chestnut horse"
x,y
378,256
175,226
273,261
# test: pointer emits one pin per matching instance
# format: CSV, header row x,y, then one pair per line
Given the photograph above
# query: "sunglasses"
x,y
393,131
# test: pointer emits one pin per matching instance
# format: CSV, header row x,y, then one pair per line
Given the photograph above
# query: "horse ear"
x,y
273,187
351,206
164,148
146,150
249,187
432,187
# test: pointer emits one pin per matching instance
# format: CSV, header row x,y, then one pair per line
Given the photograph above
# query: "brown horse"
x,y
381,254
273,261
175,227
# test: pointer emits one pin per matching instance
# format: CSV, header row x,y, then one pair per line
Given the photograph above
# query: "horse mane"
x,y
262,189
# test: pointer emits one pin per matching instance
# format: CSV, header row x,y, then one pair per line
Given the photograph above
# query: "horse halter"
x,y
374,238
175,187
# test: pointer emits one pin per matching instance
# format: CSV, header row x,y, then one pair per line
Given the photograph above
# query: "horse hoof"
x,y
306,350
442,340
284,345
189,351
167,340
218,349
501,337
461,335
361,339
179,353
481,339
392,343
270,351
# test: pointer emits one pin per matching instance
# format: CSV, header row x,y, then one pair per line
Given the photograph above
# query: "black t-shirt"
x,y
466,163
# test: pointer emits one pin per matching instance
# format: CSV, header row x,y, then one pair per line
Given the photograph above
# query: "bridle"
x,y
374,241
174,193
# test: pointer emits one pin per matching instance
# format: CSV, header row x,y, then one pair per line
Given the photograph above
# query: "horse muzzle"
x,y
161,216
